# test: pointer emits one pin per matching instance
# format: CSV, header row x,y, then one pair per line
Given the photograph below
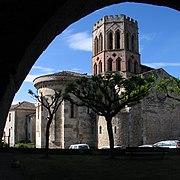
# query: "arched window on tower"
x,y
118,64
117,39
127,41
95,68
129,65
95,45
100,42
109,64
135,67
100,67
110,40
132,43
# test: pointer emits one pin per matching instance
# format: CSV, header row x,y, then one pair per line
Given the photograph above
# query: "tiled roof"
x,y
63,73
23,105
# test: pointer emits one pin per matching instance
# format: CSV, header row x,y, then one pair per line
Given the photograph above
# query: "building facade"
x,y
20,124
71,124
115,48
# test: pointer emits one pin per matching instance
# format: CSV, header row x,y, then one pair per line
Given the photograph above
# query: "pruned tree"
x,y
107,94
51,103
170,87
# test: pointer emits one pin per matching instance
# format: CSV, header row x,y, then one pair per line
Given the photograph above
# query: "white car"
x,y
79,146
168,144
164,144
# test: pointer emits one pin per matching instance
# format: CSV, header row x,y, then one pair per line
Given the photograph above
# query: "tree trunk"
x,y
111,137
47,136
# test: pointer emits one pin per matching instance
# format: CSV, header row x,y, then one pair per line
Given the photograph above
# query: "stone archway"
x,y
28,27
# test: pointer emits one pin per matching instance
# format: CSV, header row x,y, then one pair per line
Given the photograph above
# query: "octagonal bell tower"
x,y
115,45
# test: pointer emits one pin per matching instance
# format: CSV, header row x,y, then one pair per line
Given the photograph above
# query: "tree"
x,y
107,94
170,87
51,103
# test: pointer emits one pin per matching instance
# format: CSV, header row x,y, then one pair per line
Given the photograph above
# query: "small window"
x,y
100,67
110,40
127,41
118,64
132,43
100,42
117,35
100,129
109,64
9,117
95,68
95,45
115,130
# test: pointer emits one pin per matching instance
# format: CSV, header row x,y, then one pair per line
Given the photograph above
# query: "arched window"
x,y
118,64
95,45
129,65
109,64
127,41
115,129
100,129
100,67
110,40
132,43
135,67
100,42
117,39
95,68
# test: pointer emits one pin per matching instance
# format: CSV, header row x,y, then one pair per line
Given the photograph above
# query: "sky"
x,y
159,43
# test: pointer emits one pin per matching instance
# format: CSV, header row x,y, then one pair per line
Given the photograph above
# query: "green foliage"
x,y
25,145
107,94
170,87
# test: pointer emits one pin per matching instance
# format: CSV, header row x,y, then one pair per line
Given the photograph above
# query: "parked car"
x,y
164,144
79,146
168,144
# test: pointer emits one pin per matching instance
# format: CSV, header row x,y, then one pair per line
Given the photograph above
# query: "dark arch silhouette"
x,y
28,27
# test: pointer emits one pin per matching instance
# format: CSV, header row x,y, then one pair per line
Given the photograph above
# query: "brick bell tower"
x,y
115,45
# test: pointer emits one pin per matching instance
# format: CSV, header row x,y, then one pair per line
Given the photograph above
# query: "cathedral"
x,y
115,47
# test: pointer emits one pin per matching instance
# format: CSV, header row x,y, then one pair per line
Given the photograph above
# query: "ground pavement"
x,y
10,168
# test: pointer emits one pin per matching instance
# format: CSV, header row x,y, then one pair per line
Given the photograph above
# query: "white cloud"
x,y
161,64
43,69
30,78
38,71
80,41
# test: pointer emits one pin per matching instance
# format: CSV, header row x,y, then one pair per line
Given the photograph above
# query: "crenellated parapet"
x,y
114,18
